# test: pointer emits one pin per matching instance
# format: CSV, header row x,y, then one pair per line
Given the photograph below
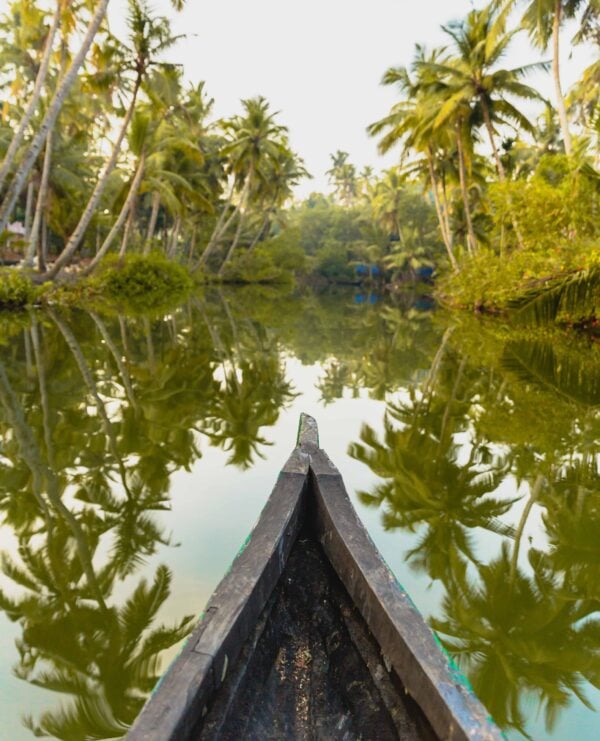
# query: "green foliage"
x,y
554,276
576,297
493,282
320,222
16,290
558,203
143,281
275,260
333,262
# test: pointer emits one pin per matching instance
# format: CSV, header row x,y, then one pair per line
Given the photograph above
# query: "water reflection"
x,y
465,430
481,432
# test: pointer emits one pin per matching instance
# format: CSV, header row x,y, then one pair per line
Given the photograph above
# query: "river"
x,y
137,451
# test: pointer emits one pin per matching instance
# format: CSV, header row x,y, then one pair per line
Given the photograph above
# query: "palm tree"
x,y
150,36
480,41
254,141
386,202
519,634
287,169
410,122
544,20
342,175
40,80
49,120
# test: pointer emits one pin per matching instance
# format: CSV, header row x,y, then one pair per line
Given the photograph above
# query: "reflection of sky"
x,y
214,506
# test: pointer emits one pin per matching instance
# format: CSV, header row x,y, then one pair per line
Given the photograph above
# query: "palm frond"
x,y
577,295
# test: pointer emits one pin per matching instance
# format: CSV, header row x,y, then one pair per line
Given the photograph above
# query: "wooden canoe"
x,y
310,636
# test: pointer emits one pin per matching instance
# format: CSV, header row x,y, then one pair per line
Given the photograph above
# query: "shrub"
x,y
16,290
143,281
490,281
557,205
275,260
333,261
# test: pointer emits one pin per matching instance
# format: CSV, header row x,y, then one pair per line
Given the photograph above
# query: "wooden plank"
x,y
407,642
181,698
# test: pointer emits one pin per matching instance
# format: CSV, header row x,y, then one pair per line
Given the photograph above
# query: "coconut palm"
x,y
410,123
342,175
471,76
287,169
40,81
544,19
254,140
51,115
519,635
150,36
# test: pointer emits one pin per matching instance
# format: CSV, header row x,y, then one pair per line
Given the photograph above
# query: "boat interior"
x,y
311,669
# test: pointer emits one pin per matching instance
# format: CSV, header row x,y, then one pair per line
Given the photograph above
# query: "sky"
x,y
319,62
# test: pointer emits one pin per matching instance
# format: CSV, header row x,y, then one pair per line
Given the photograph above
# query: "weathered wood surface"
x,y
406,641
180,699
312,671
309,487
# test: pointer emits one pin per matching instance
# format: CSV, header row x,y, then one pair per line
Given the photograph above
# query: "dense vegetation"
x,y
105,149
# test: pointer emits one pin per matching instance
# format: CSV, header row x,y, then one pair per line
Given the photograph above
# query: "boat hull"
x,y
198,695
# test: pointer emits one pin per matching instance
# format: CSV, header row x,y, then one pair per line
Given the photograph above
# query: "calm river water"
x,y
137,451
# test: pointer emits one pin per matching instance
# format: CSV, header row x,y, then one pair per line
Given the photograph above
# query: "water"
x,y
136,453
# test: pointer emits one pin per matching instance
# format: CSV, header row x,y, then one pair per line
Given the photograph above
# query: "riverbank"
x,y
559,286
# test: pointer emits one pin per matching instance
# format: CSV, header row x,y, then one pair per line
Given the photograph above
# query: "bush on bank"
x,y
490,282
557,212
16,289
142,281
276,260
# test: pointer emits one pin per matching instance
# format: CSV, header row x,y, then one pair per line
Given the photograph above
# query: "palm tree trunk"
x,y
560,101
438,209
446,211
259,233
235,242
219,227
241,205
533,497
174,237
192,246
43,246
499,166
125,209
44,477
399,231
471,239
127,231
40,79
75,239
39,363
28,209
40,205
51,114
152,222
117,357
90,383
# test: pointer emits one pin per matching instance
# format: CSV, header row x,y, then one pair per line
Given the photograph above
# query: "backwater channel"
x,y
136,453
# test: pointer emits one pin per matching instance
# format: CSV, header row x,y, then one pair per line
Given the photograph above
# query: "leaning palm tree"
x,y
254,140
544,19
410,123
49,120
40,80
473,81
150,36
472,76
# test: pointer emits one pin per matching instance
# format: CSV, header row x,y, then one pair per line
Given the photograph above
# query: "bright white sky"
x,y
319,62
